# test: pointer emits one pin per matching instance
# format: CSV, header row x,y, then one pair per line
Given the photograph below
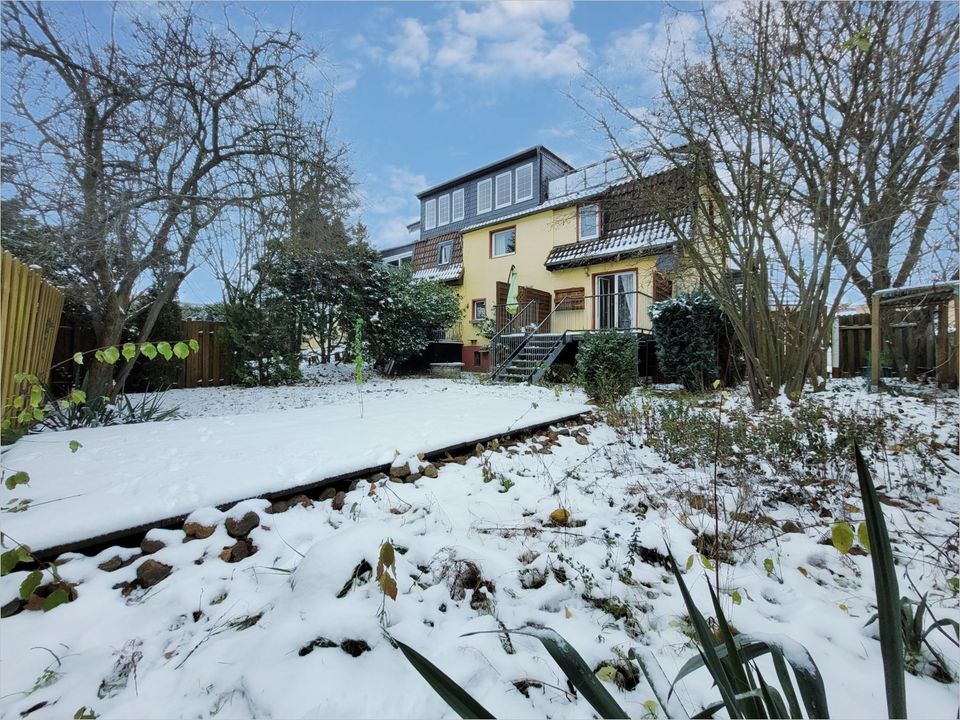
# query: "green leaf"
x,y
888,593
18,478
452,694
194,345
181,350
38,414
111,355
98,356
24,417
11,558
129,351
36,395
716,383
74,446
735,596
607,674
863,535
164,349
768,566
689,563
78,396
954,582
149,350
31,583
57,597
18,402
574,667
842,536
78,358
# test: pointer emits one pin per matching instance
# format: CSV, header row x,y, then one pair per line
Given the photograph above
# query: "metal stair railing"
x,y
510,338
532,334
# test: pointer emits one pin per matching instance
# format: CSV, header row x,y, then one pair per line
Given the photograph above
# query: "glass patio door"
x,y
616,301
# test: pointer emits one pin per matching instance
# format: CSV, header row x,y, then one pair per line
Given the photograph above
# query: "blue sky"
x,y
425,91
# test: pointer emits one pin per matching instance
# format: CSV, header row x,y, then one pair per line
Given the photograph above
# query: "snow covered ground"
x,y
239,443
286,633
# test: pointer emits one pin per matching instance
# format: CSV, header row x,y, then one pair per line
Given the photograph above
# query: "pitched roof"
x,y
442,273
531,151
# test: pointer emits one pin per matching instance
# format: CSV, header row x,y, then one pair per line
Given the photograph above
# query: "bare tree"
x,y
826,135
134,144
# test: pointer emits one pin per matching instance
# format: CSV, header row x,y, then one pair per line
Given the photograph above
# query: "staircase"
x,y
532,359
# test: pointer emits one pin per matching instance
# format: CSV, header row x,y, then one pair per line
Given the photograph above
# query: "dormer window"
x,y
484,196
445,252
588,222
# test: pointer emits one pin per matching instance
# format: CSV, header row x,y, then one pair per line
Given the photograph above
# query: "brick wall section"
x,y
425,253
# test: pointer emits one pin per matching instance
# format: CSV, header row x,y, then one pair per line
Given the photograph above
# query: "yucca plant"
x,y
912,615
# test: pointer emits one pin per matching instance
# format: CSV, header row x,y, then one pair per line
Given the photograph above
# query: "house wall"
x,y
536,235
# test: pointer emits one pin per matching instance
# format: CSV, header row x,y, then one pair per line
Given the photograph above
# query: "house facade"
x,y
587,247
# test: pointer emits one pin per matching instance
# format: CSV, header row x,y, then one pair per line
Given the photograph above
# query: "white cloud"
x,y
501,40
411,47
647,47
389,204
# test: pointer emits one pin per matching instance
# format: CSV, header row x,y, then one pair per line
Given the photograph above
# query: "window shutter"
x,y
503,189
458,205
430,214
444,210
484,196
525,182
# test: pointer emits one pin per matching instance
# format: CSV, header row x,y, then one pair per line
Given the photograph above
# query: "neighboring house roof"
x,y
441,273
398,250
492,166
650,234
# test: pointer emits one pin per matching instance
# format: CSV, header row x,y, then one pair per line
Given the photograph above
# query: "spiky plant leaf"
x,y
459,700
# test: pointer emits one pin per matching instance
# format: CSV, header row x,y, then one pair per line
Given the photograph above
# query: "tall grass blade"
x,y
459,700
707,650
888,593
574,667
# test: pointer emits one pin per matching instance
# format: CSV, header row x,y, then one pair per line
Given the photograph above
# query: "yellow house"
x,y
587,248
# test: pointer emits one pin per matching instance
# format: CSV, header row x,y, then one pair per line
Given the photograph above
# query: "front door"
x,y
616,301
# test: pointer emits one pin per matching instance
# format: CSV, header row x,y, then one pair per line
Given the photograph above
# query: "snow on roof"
x,y
446,273
650,233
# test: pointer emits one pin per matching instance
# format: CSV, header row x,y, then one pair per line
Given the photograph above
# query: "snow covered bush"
x,y
691,332
410,315
607,365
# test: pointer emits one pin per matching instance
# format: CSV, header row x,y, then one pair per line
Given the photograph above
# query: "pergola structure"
x,y
939,295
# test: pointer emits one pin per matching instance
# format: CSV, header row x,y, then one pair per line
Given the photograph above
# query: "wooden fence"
x,y
855,342
29,319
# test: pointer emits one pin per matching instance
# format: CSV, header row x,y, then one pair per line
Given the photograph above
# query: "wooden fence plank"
x,y
29,319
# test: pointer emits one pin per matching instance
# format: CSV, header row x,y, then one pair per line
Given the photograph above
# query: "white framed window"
x,y
525,182
588,219
458,205
445,252
503,242
484,196
443,210
430,214
504,181
479,311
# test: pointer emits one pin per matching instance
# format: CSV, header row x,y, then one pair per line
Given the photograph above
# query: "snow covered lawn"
x,y
299,628
243,443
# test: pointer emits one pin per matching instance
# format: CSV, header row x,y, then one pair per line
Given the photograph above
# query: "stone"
x,y
301,500
581,440
150,572
240,528
238,551
197,531
111,565
378,477
413,477
791,527
430,470
338,501
280,506
399,471
328,494
353,484
149,546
